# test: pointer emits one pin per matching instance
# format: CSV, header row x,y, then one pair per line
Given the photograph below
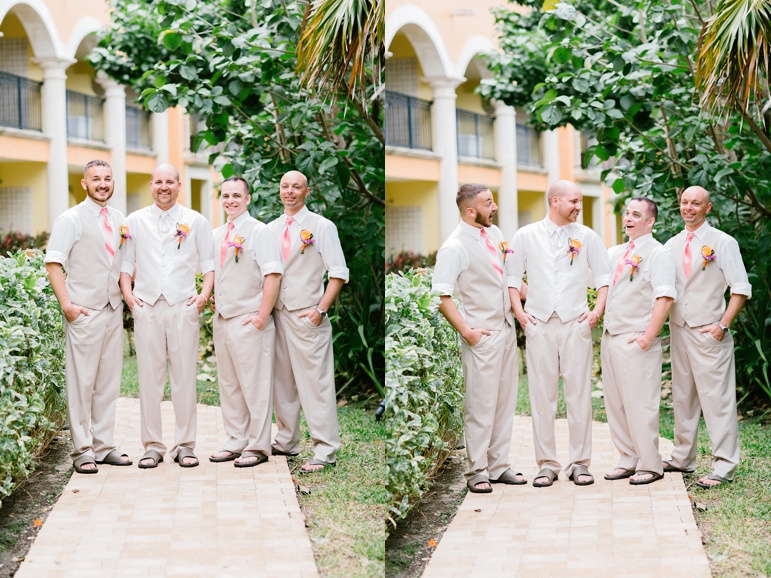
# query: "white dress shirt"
x,y
541,251
67,231
728,258
660,274
326,240
261,246
164,265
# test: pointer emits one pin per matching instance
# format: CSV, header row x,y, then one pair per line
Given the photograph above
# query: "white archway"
x,y
84,27
424,37
475,46
38,24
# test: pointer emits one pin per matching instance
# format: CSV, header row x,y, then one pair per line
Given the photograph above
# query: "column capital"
x,y
54,67
503,109
443,86
112,88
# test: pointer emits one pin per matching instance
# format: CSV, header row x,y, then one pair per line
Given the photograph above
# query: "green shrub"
x,y
32,403
424,383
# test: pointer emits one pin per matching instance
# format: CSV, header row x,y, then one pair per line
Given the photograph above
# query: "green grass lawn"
x,y
344,506
734,519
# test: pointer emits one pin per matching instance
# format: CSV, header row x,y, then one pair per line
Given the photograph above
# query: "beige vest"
x,y
302,284
91,280
238,286
700,300
483,290
630,303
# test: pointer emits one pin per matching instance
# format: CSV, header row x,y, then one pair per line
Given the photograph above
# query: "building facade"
x,y
441,134
57,113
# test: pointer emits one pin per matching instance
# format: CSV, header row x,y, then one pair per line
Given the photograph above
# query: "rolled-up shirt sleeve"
x,y
599,262
662,274
265,251
516,263
332,251
204,242
730,262
65,234
128,250
449,266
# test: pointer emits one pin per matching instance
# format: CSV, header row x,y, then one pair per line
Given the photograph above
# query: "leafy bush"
x,y
15,241
32,402
424,383
406,260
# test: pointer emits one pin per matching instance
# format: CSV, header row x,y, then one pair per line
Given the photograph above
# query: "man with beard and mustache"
x,y
86,239
707,261
559,257
473,258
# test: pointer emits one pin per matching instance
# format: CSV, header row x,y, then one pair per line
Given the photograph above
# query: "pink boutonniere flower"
x,y
124,234
574,248
708,254
504,247
182,231
238,243
306,238
634,261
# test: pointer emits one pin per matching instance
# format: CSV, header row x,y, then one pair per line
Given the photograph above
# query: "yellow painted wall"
x,y
139,183
77,192
80,78
534,202
195,194
401,48
588,211
467,99
33,175
419,194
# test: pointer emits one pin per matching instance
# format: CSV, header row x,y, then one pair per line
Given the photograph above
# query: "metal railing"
x,y
408,121
20,102
476,138
528,147
85,117
138,128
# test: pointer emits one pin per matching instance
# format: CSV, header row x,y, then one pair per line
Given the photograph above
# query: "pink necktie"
x,y
492,252
622,263
224,248
286,242
687,255
107,233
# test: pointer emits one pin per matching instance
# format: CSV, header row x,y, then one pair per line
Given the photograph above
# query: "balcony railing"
x,y
85,117
528,147
475,135
408,121
138,128
20,104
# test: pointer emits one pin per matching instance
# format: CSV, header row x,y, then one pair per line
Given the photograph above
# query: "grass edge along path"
x,y
344,507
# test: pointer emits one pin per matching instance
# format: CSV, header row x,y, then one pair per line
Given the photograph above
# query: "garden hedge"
x,y
424,384
32,401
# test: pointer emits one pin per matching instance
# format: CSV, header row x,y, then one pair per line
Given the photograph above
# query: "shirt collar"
x,y
552,227
470,229
173,212
299,216
93,206
641,241
701,232
240,220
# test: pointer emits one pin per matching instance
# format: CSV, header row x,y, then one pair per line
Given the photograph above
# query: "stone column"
x,y
55,127
506,155
115,135
161,137
445,135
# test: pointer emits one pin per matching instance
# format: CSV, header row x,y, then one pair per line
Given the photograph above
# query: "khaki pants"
x,y
631,381
490,375
167,333
94,360
245,358
704,380
557,348
304,378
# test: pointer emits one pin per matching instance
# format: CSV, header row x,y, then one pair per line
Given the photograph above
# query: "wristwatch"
x,y
320,312
723,328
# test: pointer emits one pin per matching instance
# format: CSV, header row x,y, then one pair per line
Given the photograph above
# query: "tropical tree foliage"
x,y
233,64
624,71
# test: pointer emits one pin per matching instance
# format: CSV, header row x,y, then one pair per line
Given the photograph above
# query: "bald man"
x,y
559,257
305,368
707,261
168,244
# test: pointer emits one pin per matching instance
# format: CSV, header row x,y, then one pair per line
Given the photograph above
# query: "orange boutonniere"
x,y
182,231
574,248
238,243
306,238
634,261
708,254
124,234
504,247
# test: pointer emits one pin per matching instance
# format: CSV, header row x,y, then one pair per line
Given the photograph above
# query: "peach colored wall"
x,y
81,155
140,164
475,174
399,167
531,181
24,149
67,13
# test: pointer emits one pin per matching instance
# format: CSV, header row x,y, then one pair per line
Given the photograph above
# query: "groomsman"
x,y
639,299
86,239
707,261
168,243
305,369
473,259
247,274
560,257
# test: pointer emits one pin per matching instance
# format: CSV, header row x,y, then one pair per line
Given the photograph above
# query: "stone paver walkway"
x,y
213,520
607,529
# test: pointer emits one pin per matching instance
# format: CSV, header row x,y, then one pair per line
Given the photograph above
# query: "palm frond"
x,y
733,56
